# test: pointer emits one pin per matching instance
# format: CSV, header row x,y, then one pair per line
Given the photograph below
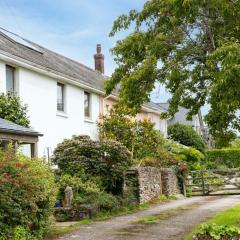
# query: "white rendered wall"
x,y
39,92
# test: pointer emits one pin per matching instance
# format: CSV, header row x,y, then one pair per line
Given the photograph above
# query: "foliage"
x,y
235,143
106,160
164,158
197,46
78,184
99,200
216,232
223,140
139,137
223,157
27,196
13,110
186,135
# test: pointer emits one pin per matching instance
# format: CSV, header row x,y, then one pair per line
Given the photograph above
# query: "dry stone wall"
x,y
144,184
150,186
170,182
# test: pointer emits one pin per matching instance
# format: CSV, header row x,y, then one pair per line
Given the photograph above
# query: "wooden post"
x,y
203,185
34,150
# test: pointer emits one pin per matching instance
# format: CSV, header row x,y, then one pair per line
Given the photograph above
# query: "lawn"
x,y
229,217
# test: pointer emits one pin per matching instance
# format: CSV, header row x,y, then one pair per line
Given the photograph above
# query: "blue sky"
x,y
70,27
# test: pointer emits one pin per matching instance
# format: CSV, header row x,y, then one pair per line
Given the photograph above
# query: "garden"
x,y
89,181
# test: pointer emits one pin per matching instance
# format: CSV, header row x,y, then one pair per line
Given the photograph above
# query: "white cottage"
x,y
64,97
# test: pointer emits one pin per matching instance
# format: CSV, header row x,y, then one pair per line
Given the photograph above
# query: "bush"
x,y
216,232
227,157
27,196
106,160
139,137
99,200
13,110
185,135
235,143
165,158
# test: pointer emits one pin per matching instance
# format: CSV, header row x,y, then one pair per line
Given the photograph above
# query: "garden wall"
x,y
144,184
170,182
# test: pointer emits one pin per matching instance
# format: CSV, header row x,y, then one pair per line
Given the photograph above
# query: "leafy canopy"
x,y
186,135
13,110
192,47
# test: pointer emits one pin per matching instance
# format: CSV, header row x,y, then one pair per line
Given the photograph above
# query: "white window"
x,y
87,105
60,97
10,79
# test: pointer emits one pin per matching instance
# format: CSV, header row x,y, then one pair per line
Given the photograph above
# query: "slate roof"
x,y
180,116
48,59
16,46
10,127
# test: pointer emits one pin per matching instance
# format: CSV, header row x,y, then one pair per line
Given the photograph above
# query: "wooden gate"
x,y
213,182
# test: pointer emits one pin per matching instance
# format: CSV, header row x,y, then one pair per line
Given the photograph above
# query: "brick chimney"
x,y
99,59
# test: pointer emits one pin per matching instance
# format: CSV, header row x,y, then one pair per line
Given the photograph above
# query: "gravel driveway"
x,y
176,218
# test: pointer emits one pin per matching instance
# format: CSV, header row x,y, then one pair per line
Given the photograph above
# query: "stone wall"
x,y
170,182
144,184
150,186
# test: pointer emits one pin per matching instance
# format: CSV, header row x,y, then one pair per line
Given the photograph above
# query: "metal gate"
x,y
213,182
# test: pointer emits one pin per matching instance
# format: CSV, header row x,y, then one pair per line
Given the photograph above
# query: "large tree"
x,y
190,46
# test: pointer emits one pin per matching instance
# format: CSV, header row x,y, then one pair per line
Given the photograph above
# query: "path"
x,y
171,225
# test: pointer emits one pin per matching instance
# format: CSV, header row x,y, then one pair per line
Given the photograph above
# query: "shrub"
x,y
165,158
27,196
99,200
106,160
216,232
185,135
223,157
235,143
13,110
139,137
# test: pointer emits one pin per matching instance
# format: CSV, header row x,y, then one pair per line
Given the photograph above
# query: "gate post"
x,y
203,185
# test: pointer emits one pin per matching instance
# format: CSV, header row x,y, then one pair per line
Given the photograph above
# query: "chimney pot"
x,y
99,59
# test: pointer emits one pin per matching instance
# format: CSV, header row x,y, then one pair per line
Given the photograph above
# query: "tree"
x,y
12,109
139,137
192,47
186,135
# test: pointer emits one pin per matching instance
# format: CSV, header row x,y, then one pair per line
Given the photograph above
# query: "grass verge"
x,y
229,217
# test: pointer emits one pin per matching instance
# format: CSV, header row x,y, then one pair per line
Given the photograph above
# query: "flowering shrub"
x,y
27,196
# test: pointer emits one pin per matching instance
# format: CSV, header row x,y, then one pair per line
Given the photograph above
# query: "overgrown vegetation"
x,y
28,193
139,136
228,158
186,135
12,109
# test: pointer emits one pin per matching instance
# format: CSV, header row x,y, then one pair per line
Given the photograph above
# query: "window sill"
x,y
88,120
62,114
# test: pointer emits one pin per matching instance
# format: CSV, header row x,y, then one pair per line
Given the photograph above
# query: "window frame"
x,y
63,103
89,116
13,70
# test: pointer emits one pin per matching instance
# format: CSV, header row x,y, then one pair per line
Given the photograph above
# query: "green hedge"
x,y
223,157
